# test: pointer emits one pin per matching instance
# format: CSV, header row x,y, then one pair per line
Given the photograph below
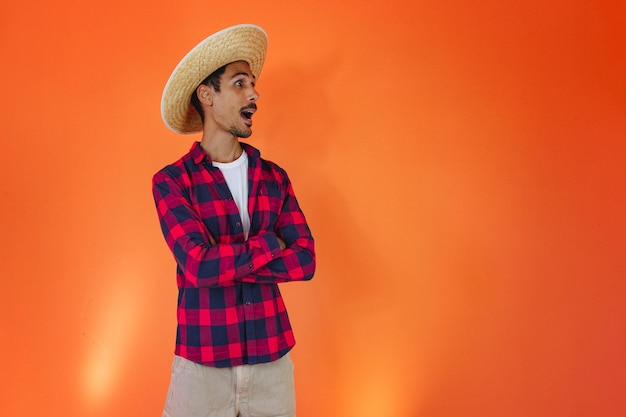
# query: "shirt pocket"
x,y
269,205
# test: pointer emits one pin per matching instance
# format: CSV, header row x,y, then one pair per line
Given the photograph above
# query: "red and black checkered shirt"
x,y
230,311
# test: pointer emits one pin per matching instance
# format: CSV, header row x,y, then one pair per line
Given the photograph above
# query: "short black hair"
x,y
213,80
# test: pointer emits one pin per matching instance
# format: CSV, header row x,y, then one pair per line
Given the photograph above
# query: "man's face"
x,y
235,104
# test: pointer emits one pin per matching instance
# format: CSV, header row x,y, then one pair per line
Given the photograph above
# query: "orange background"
x,y
461,165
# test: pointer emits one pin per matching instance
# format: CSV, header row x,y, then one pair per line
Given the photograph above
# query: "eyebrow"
x,y
245,74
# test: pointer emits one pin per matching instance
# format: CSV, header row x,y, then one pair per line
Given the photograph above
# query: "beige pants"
x,y
262,390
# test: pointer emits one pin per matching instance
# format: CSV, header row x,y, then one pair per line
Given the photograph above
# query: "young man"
x,y
235,228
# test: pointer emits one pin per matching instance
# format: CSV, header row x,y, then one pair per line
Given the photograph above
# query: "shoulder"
x,y
179,171
267,167
172,170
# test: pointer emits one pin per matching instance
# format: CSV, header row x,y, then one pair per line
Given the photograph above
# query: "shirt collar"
x,y
197,153
199,156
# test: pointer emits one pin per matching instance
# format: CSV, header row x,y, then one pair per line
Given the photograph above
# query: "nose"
x,y
254,95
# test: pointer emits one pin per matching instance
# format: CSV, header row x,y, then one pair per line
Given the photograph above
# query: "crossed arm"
x,y
283,254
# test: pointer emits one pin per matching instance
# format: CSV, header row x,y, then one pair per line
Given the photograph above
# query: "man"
x,y
235,228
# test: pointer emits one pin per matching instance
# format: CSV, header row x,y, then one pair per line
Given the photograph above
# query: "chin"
x,y
242,133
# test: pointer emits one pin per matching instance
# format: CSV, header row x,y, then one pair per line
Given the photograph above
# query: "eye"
x,y
239,83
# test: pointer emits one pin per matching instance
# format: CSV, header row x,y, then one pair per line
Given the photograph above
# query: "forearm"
x,y
207,265
296,263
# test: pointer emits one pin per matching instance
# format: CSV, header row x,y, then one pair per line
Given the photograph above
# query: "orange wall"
x,y
461,164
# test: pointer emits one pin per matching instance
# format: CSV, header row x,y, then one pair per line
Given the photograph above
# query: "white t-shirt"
x,y
236,175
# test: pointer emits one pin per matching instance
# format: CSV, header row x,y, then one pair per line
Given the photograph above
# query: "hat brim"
x,y
237,43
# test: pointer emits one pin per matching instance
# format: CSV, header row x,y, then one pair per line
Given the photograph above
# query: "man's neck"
x,y
222,149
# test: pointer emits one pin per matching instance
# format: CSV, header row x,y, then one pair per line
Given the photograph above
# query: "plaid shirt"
x,y
230,311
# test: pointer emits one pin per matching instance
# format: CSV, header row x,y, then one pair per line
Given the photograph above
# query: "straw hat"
x,y
237,43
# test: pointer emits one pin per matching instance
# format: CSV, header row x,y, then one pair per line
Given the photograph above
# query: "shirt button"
x,y
238,224
247,303
251,266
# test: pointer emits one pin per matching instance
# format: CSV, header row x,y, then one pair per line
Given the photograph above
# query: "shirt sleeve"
x,y
205,264
297,262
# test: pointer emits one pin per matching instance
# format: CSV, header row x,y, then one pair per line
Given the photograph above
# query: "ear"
x,y
205,94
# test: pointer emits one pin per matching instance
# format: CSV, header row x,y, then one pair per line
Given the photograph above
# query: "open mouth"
x,y
246,114
247,117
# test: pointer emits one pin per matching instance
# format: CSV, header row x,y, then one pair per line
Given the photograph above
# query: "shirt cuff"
x,y
268,247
